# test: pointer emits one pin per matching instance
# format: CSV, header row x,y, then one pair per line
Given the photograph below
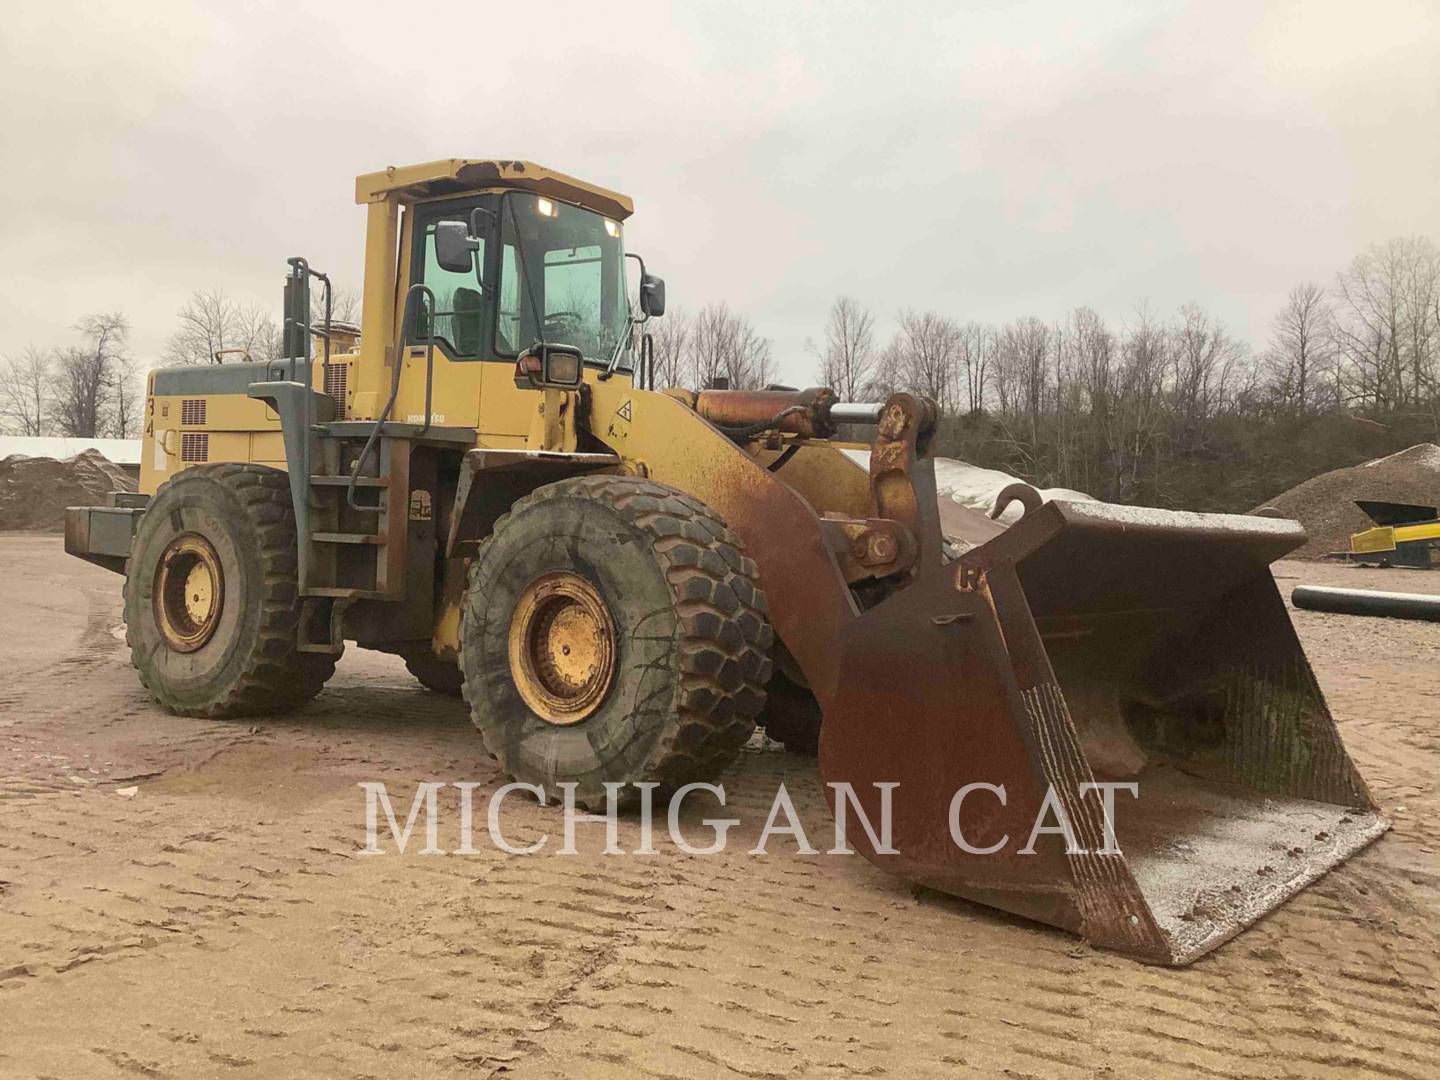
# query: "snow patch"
x,y
976,488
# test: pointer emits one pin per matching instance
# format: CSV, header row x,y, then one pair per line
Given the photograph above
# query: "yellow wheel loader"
x,y
486,482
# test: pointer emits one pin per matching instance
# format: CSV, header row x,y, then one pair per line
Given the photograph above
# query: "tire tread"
x,y
277,676
724,635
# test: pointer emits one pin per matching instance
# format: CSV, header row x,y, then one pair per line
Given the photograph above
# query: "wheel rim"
x,y
189,592
562,648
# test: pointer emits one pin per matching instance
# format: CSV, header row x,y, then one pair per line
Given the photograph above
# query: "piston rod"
x,y
855,412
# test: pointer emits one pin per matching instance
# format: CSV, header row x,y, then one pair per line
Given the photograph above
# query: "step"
x,y
353,594
347,538
344,481
320,647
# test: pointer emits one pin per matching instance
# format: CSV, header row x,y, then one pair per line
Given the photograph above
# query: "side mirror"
x,y
652,295
454,247
559,366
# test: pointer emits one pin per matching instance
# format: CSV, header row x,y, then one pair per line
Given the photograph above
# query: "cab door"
x,y
462,324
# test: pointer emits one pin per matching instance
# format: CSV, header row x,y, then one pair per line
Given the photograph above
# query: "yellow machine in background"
x,y
1403,535
618,578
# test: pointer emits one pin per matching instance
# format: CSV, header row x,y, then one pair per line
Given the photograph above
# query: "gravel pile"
x,y
34,491
1325,504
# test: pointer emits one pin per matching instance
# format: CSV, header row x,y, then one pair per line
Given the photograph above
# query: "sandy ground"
x,y
221,923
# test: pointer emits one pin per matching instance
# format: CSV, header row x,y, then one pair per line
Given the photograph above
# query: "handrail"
x,y
300,270
418,289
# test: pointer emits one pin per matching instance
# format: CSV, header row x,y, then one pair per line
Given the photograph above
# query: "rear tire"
x,y
212,607
436,673
626,612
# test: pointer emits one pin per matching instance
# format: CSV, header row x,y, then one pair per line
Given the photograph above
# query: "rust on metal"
x,y
1086,644
871,548
1020,492
509,474
1096,644
905,422
561,647
189,592
806,412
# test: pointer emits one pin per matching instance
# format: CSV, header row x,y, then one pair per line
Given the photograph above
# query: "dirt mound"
x,y
1325,504
34,491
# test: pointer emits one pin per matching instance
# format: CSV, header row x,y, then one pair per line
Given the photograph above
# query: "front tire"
x,y
212,606
614,632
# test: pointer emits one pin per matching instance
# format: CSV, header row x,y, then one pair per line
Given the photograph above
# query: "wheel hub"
x,y
189,592
562,648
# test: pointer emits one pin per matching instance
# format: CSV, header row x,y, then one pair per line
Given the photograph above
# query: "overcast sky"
x,y
986,160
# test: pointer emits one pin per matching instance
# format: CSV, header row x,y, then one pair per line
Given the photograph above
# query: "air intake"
x,y
337,383
194,445
192,412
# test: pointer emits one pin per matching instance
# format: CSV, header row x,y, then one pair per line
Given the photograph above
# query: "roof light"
x,y
545,207
611,227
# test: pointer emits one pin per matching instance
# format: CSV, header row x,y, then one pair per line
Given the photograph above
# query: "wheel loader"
x,y
486,481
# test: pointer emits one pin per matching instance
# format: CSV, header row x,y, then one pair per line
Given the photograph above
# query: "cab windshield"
x,y
562,280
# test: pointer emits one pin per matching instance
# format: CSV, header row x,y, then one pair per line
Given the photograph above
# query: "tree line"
x,y
1166,409
87,389
92,387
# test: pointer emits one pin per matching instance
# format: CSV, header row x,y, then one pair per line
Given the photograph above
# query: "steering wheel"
x,y
563,321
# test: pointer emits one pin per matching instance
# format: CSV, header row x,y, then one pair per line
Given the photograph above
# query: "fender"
x,y
508,475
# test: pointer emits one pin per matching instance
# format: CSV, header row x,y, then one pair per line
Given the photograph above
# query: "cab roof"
x,y
455,176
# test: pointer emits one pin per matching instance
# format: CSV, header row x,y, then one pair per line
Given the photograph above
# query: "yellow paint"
x,y
1377,539
654,434
446,641
826,477
1387,537
377,314
457,176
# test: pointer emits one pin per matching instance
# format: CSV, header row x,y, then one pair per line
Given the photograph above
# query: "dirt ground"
x,y
221,923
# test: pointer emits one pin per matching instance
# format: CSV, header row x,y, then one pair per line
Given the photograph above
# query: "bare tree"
x,y
1020,374
26,391
926,355
886,376
127,400
671,339
975,346
1202,361
211,321
1144,359
724,345
848,355
1300,346
1024,354
89,376
344,306
1387,321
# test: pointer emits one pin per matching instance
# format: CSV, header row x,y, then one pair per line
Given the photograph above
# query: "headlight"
x,y
563,368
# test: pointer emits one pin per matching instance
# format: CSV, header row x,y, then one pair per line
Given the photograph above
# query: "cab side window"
x,y
459,318
508,331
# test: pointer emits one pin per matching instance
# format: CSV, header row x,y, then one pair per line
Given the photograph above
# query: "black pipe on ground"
x,y
1392,605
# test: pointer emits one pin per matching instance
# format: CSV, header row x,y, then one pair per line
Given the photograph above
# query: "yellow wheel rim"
x,y
189,592
562,648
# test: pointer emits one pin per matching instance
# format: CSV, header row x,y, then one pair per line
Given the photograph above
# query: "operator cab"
x,y
509,270
511,257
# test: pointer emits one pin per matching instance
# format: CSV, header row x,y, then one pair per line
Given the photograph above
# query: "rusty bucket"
x,y
1099,644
